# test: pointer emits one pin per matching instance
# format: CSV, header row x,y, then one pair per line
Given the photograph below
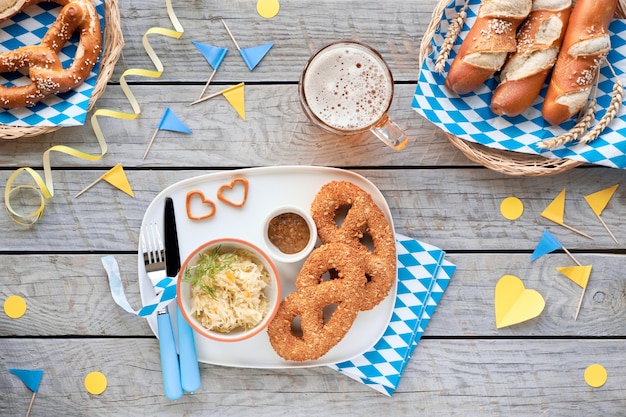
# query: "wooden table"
x,y
464,365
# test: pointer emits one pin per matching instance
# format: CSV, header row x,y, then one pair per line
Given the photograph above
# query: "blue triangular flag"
x,y
547,244
31,378
252,56
213,54
170,121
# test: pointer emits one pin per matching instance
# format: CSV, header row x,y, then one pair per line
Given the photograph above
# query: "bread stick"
x,y
584,47
538,43
486,46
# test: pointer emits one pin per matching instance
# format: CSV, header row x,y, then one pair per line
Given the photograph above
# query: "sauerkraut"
x,y
227,290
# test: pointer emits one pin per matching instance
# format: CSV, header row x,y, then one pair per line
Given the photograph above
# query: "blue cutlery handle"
x,y
169,360
189,369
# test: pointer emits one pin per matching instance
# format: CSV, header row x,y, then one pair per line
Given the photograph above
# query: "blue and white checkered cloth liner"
x,y
67,109
470,118
423,276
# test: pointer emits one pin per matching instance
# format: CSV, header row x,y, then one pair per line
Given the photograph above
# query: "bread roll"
x,y
9,8
585,45
486,46
538,42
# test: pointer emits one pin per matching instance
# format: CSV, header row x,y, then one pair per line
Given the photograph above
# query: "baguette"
x,y
525,71
585,45
486,46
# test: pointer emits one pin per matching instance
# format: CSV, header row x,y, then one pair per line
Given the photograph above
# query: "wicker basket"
x,y
112,45
507,162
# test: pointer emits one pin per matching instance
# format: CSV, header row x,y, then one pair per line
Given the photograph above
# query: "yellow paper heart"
x,y
514,303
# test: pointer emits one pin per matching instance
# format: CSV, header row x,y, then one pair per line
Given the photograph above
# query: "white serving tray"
x,y
269,188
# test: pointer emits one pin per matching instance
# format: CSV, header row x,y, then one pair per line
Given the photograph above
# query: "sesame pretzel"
x,y
44,65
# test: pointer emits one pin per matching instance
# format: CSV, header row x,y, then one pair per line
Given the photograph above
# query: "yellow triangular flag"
x,y
117,178
555,209
578,274
235,97
555,212
599,200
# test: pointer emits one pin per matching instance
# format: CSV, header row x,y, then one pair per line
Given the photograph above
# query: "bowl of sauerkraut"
x,y
228,290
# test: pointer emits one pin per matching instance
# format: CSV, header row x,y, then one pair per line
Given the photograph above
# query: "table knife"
x,y
189,369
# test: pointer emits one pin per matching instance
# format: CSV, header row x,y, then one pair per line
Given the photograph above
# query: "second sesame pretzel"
x,y
44,65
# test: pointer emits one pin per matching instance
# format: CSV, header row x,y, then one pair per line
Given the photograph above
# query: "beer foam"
x,y
347,88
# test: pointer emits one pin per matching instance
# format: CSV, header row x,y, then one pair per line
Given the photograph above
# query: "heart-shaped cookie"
x,y
205,202
514,303
231,187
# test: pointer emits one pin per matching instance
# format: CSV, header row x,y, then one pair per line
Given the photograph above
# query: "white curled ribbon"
x,y
165,289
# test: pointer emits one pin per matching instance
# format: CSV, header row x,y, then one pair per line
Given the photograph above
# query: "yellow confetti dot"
x,y
15,306
512,208
595,375
267,8
95,383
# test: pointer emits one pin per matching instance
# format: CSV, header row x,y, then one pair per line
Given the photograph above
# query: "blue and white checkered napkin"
x,y
67,109
423,276
469,117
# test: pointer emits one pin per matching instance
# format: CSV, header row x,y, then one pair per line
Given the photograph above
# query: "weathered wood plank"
x,y
455,209
68,295
444,378
275,132
298,30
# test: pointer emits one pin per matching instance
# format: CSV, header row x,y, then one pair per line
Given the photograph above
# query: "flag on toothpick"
x,y
116,177
214,56
234,95
30,378
580,275
598,202
555,212
251,56
170,122
547,244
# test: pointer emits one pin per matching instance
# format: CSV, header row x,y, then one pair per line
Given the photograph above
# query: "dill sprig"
x,y
209,265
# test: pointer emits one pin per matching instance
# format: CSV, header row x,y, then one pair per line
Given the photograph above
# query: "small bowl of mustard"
x,y
290,234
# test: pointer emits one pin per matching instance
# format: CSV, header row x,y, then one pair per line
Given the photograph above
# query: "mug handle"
x,y
390,133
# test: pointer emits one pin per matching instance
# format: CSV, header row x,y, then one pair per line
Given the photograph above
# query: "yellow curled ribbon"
x,y
44,187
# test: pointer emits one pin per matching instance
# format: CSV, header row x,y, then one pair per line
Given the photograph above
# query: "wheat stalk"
x,y
453,32
616,102
579,128
582,126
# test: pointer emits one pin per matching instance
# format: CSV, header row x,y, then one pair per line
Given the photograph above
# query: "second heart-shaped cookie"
x,y
230,188
205,203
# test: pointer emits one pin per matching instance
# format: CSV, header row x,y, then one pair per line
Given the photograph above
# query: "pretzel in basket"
x,y
44,65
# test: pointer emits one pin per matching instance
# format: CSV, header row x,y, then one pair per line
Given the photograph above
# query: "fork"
x,y
154,259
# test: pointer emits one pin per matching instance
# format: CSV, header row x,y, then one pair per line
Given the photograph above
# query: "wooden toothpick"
x,y
30,406
150,143
200,100
88,187
570,255
231,35
607,228
575,230
207,84
580,303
